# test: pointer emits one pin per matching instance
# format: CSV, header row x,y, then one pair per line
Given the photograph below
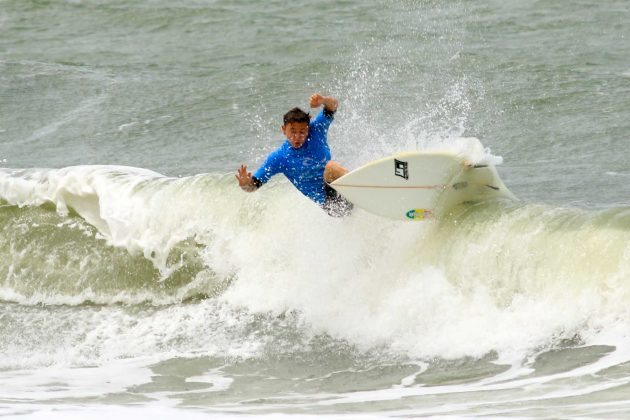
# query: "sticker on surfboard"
x,y
401,169
419,214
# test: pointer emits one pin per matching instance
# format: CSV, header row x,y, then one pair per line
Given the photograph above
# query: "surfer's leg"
x,y
333,171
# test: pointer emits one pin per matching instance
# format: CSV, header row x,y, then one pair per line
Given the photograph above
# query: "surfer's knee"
x,y
333,171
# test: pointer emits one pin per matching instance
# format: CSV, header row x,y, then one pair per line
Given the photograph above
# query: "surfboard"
x,y
420,185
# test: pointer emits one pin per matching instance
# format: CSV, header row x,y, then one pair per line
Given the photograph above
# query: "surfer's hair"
x,y
296,115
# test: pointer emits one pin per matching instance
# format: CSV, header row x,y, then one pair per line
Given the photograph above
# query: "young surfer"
x,y
304,158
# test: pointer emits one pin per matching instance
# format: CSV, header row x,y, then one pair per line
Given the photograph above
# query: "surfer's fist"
x,y
315,100
329,102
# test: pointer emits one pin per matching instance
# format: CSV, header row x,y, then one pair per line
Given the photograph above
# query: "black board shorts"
x,y
335,205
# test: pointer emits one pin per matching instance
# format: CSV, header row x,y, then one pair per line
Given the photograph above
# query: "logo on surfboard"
x,y
419,214
401,169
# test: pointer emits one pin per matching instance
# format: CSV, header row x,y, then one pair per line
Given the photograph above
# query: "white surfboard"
x,y
420,185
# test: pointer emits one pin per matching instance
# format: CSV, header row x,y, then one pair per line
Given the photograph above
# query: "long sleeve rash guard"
x,y
304,167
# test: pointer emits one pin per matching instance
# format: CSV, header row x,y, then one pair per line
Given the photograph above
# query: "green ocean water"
x,y
136,279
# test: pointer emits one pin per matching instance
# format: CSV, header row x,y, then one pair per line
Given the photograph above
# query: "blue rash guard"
x,y
304,167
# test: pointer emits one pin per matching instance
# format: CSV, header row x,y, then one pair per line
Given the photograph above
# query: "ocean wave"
x,y
505,277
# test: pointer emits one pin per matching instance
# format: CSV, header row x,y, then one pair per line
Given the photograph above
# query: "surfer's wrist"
x,y
252,184
250,187
330,103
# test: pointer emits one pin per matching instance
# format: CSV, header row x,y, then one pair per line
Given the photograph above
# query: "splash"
x,y
495,277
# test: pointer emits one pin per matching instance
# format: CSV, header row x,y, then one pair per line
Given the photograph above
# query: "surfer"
x,y
304,158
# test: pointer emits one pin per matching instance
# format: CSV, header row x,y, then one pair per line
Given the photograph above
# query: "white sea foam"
x,y
488,281
55,382
159,412
215,379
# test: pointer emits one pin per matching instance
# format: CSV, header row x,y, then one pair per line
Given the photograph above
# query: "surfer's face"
x,y
296,133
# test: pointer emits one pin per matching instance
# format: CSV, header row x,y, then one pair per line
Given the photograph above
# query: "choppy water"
x,y
136,279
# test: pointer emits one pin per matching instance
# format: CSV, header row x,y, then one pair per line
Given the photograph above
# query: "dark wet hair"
x,y
296,115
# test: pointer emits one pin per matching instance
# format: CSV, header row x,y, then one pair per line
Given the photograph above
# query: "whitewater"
x,y
204,271
138,280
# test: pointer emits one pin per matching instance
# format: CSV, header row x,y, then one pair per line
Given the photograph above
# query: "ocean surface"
x,y
138,281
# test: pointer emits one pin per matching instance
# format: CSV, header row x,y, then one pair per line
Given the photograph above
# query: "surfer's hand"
x,y
315,100
329,102
244,179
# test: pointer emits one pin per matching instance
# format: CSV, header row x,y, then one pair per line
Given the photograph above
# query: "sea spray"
x,y
493,277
